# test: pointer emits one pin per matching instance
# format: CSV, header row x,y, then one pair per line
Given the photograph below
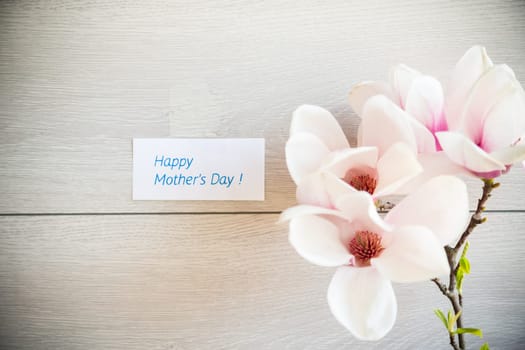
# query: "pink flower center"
x,y
365,246
362,182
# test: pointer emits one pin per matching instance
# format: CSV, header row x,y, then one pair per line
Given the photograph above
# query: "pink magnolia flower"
x,y
486,113
370,252
421,96
384,124
478,122
323,165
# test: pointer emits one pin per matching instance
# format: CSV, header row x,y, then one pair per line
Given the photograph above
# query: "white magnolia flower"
x,y
322,163
370,252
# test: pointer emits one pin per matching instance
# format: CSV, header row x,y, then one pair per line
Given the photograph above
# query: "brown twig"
x,y
453,295
476,219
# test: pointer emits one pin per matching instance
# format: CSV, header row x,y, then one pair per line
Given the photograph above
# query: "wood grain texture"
x,y
80,79
220,281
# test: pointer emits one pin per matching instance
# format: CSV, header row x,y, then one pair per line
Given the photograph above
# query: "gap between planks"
x,y
198,213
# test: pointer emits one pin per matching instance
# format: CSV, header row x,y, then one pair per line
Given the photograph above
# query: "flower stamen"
x,y
363,182
365,246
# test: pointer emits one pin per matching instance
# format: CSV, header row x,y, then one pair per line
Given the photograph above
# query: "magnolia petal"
x,y
438,163
360,135
335,187
505,122
413,254
474,63
363,302
320,122
311,191
434,164
346,231
384,124
425,103
361,92
322,189
464,152
397,166
304,155
520,143
359,209
491,86
426,142
317,240
304,209
401,78
340,162
510,155
441,204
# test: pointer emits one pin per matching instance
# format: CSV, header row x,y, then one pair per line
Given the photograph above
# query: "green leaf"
x,y
463,268
465,249
442,317
485,347
449,321
475,331
452,318
464,264
455,318
459,281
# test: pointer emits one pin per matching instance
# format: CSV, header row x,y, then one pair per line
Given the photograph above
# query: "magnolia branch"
x,y
443,288
450,291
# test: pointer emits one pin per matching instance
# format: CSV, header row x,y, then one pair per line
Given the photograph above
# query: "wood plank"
x,y
220,281
80,80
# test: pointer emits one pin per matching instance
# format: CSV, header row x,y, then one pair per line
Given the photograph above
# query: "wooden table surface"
x,y
82,266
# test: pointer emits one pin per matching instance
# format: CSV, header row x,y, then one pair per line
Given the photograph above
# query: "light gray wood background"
x,y
82,266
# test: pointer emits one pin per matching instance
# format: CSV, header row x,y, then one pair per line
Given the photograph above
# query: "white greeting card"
x,y
198,169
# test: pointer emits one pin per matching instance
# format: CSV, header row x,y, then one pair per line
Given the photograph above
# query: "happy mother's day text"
x,y
176,171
